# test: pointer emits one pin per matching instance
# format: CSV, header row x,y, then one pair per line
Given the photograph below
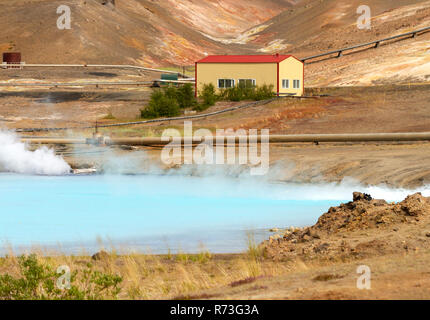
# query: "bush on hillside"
x,y
185,96
208,97
170,92
162,104
168,101
263,92
239,93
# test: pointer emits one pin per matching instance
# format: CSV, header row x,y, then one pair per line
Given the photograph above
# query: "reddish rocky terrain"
x,y
143,32
362,228
172,33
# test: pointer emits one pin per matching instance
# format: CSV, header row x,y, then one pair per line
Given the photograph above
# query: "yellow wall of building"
x,y
291,69
263,73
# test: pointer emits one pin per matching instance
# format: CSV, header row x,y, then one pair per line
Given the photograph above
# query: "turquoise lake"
x,y
155,213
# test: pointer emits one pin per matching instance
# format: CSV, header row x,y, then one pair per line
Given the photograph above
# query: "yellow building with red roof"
x,y
284,72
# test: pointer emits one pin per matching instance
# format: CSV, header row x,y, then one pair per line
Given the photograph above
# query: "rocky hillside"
x,y
144,32
177,33
314,26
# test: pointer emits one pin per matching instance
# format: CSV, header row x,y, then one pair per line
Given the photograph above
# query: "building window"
x,y
296,84
246,83
285,84
225,83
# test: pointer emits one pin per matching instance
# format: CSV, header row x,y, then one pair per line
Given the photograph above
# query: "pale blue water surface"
x,y
152,212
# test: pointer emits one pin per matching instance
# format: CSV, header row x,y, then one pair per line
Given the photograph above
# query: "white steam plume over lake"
x,y
17,158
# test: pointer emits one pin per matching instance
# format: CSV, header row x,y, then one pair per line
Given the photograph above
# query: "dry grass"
x,y
243,276
147,276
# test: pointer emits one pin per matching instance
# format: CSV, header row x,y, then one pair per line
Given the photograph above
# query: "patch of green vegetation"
x,y
168,102
161,104
208,97
239,93
201,257
37,281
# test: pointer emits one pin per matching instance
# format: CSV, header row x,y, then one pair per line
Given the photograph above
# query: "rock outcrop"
x,y
364,226
365,212
101,255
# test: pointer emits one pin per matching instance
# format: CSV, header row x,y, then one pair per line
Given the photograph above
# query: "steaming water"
x,y
155,212
16,157
41,206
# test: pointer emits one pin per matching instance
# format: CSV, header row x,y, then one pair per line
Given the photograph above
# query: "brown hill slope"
x,y
133,31
321,26
168,32
226,18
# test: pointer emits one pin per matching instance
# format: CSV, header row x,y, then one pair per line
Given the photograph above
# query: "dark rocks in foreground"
x,y
101,255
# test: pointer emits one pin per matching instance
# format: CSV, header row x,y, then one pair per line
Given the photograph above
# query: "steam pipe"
x,y
37,140
149,141
89,83
366,137
109,66
376,43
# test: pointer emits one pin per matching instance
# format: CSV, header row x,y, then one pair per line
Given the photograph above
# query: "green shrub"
x,y
161,104
185,96
264,92
38,282
208,96
234,94
168,101
201,257
239,93
171,92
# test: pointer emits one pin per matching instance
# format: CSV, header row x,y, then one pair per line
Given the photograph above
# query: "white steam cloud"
x,y
17,158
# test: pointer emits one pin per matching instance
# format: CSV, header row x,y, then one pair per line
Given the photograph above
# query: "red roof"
x,y
268,58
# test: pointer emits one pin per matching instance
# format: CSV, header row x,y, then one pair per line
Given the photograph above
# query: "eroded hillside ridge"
x,y
360,228
171,33
179,32
144,32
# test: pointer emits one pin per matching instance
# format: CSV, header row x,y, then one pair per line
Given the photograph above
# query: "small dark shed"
x,y
12,58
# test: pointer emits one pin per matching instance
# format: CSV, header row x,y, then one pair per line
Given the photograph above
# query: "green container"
x,y
169,76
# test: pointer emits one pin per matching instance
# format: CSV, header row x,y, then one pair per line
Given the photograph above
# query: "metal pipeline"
x,y
37,140
108,66
315,138
369,137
